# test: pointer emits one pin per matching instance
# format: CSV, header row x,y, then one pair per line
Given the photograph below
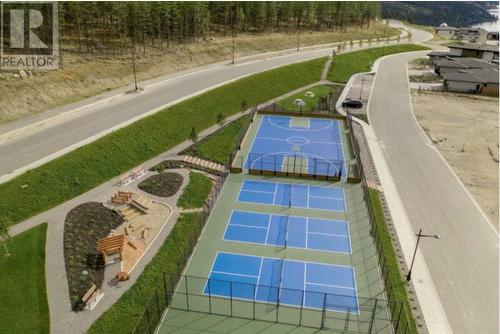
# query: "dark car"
x,y
356,104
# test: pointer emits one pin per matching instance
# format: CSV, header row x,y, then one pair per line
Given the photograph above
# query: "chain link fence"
x,y
159,300
331,312
401,318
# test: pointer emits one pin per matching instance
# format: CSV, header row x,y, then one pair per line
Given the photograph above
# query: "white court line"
x,y
309,141
308,196
258,279
333,286
259,191
335,235
236,274
251,226
268,117
307,233
275,192
325,197
268,227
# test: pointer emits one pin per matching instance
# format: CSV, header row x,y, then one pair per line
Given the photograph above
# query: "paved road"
x,y
464,262
69,131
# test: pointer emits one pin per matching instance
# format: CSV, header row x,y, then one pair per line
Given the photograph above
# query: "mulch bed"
x,y
163,184
84,225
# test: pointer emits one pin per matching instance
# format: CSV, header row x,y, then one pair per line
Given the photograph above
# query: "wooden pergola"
x,y
110,245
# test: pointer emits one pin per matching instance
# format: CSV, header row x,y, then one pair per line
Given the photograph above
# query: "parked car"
x,y
356,104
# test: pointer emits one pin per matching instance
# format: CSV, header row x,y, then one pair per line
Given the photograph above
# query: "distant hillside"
x,y
436,12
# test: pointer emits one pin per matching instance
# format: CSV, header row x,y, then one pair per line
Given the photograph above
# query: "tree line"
x,y
114,26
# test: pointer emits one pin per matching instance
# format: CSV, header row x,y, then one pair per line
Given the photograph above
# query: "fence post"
x,y
147,317
261,163
399,318
254,292
165,287
231,297
373,317
324,312
274,167
187,294
294,162
209,298
278,305
301,308
158,313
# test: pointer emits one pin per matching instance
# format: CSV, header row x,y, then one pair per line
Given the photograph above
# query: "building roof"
x,y
438,54
465,63
472,75
469,29
472,46
446,28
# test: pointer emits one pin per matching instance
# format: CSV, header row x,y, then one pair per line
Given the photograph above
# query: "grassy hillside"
x,y
347,64
85,168
23,299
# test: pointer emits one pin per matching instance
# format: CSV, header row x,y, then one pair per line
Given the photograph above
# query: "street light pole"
x,y
232,60
361,90
298,39
133,68
419,235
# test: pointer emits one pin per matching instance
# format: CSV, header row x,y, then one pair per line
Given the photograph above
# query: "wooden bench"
x,y
91,297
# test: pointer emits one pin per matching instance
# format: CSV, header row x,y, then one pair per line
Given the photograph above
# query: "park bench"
x,y
92,297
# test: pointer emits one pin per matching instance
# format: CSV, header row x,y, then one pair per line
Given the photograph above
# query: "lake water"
x,y
489,26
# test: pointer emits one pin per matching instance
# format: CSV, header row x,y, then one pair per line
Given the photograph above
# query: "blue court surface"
x,y
289,231
288,282
315,142
292,195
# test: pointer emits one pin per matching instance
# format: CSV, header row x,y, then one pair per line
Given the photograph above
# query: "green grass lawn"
x,y
124,314
195,193
310,102
347,64
85,168
23,298
220,144
394,279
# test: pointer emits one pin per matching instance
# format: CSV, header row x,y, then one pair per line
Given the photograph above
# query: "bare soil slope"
x,y
465,130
